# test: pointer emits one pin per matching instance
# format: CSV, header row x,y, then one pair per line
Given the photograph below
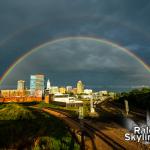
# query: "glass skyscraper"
x,y
37,85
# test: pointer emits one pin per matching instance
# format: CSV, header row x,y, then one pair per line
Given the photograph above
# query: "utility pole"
x,y
81,117
92,106
126,107
148,118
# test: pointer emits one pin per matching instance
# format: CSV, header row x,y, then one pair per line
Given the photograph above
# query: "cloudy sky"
x,y
27,24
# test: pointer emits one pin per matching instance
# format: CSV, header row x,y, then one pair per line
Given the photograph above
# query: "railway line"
x,y
93,137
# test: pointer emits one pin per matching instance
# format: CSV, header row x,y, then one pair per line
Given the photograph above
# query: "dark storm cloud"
x,y
17,13
26,24
98,63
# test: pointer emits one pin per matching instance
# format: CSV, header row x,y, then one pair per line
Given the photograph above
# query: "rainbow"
x,y
127,51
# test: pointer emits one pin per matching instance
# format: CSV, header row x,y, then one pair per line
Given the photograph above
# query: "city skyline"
x,y
26,84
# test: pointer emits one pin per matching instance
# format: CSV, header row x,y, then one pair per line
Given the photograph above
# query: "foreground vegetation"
x,y
22,127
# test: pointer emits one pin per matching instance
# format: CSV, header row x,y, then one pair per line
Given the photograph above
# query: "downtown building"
x,y
62,90
37,85
12,93
80,87
48,85
69,89
21,85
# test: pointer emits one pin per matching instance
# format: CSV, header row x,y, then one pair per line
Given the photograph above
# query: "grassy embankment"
x,y
22,127
73,111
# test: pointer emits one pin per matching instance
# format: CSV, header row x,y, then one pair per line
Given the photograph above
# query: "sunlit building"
x,y
13,93
87,96
54,90
49,98
21,85
68,89
88,91
80,87
18,96
37,85
62,90
66,100
74,91
48,87
103,93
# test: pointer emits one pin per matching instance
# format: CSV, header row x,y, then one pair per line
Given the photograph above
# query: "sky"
x,y
28,24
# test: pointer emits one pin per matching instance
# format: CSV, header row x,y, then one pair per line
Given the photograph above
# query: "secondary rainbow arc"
x,y
127,51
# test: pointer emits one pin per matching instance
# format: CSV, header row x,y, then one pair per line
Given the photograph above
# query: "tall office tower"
x,y
37,85
69,89
80,87
21,85
74,91
62,90
48,87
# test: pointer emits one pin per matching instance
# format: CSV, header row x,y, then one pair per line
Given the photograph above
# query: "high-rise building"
x,y
54,90
74,91
21,85
68,89
62,90
37,85
80,87
48,87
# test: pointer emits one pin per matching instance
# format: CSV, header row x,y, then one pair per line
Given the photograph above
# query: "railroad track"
x,y
93,132
104,137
